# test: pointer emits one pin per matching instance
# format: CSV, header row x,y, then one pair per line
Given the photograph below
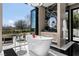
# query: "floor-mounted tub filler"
x,y
39,45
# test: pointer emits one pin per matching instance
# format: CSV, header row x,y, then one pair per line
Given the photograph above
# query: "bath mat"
x,y
9,52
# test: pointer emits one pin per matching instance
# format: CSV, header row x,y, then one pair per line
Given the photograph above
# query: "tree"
x,y
21,24
76,20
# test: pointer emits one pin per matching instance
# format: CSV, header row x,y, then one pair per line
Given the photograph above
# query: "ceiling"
x,y
41,4
47,4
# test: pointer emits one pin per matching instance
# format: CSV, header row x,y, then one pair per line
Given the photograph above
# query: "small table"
x,y
20,41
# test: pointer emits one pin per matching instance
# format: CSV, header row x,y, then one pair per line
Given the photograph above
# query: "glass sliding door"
x,y
16,23
75,19
34,21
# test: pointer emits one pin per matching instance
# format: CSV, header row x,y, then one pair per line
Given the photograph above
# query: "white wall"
x,y
0,27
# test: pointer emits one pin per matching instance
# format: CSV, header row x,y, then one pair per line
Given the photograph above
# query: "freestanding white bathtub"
x,y
39,45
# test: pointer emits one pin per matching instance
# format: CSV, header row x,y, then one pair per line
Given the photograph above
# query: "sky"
x,y
15,11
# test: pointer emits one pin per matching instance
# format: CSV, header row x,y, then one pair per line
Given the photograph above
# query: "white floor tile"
x,y
2,53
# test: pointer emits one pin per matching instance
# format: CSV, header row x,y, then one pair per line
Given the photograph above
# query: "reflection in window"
x,y
76,24
33,20
65,27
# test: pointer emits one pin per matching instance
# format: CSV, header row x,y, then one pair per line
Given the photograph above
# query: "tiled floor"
x,y
25,48
16,48
52,51
75,50
71,51
2,53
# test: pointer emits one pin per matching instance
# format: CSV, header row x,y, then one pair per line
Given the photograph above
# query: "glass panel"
x,y
65,27
76,25
33,20
16,20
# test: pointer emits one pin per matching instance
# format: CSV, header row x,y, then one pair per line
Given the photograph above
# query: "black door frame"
x,y
72,23
37,22
68,26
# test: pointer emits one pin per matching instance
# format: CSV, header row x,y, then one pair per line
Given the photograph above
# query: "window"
x,y
75,19
16,19
34,21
